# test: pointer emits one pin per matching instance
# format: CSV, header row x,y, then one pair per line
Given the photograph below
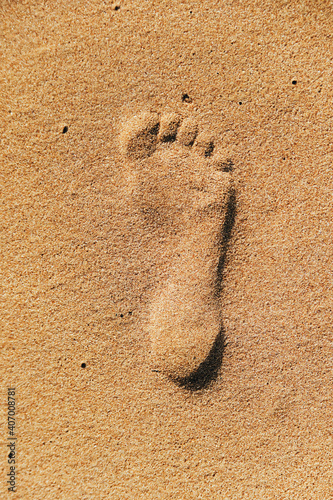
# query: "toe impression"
x,y
168,127
187,132
204,144
139,137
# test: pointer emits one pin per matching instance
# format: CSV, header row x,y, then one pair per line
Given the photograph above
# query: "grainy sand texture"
x,y
166,249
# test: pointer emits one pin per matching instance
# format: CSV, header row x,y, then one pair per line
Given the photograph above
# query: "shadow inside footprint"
x,y
225,237
208,370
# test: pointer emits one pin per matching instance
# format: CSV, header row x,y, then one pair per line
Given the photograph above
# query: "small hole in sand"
x,y
65,129
83,365
121,315
186,98
116,7
240,102
294,82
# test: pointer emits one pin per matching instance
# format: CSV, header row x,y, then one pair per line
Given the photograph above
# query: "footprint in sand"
x,y
183,189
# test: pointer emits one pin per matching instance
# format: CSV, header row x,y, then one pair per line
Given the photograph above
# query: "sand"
x,y
100,410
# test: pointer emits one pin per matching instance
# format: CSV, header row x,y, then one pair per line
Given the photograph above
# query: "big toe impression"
x,y
139,137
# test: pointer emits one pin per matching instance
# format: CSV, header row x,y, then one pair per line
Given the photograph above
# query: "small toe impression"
x,y
222,163
139,137
168,127
204,145
187,132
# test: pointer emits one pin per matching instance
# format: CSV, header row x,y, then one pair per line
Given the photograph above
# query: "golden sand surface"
x,y
81,262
